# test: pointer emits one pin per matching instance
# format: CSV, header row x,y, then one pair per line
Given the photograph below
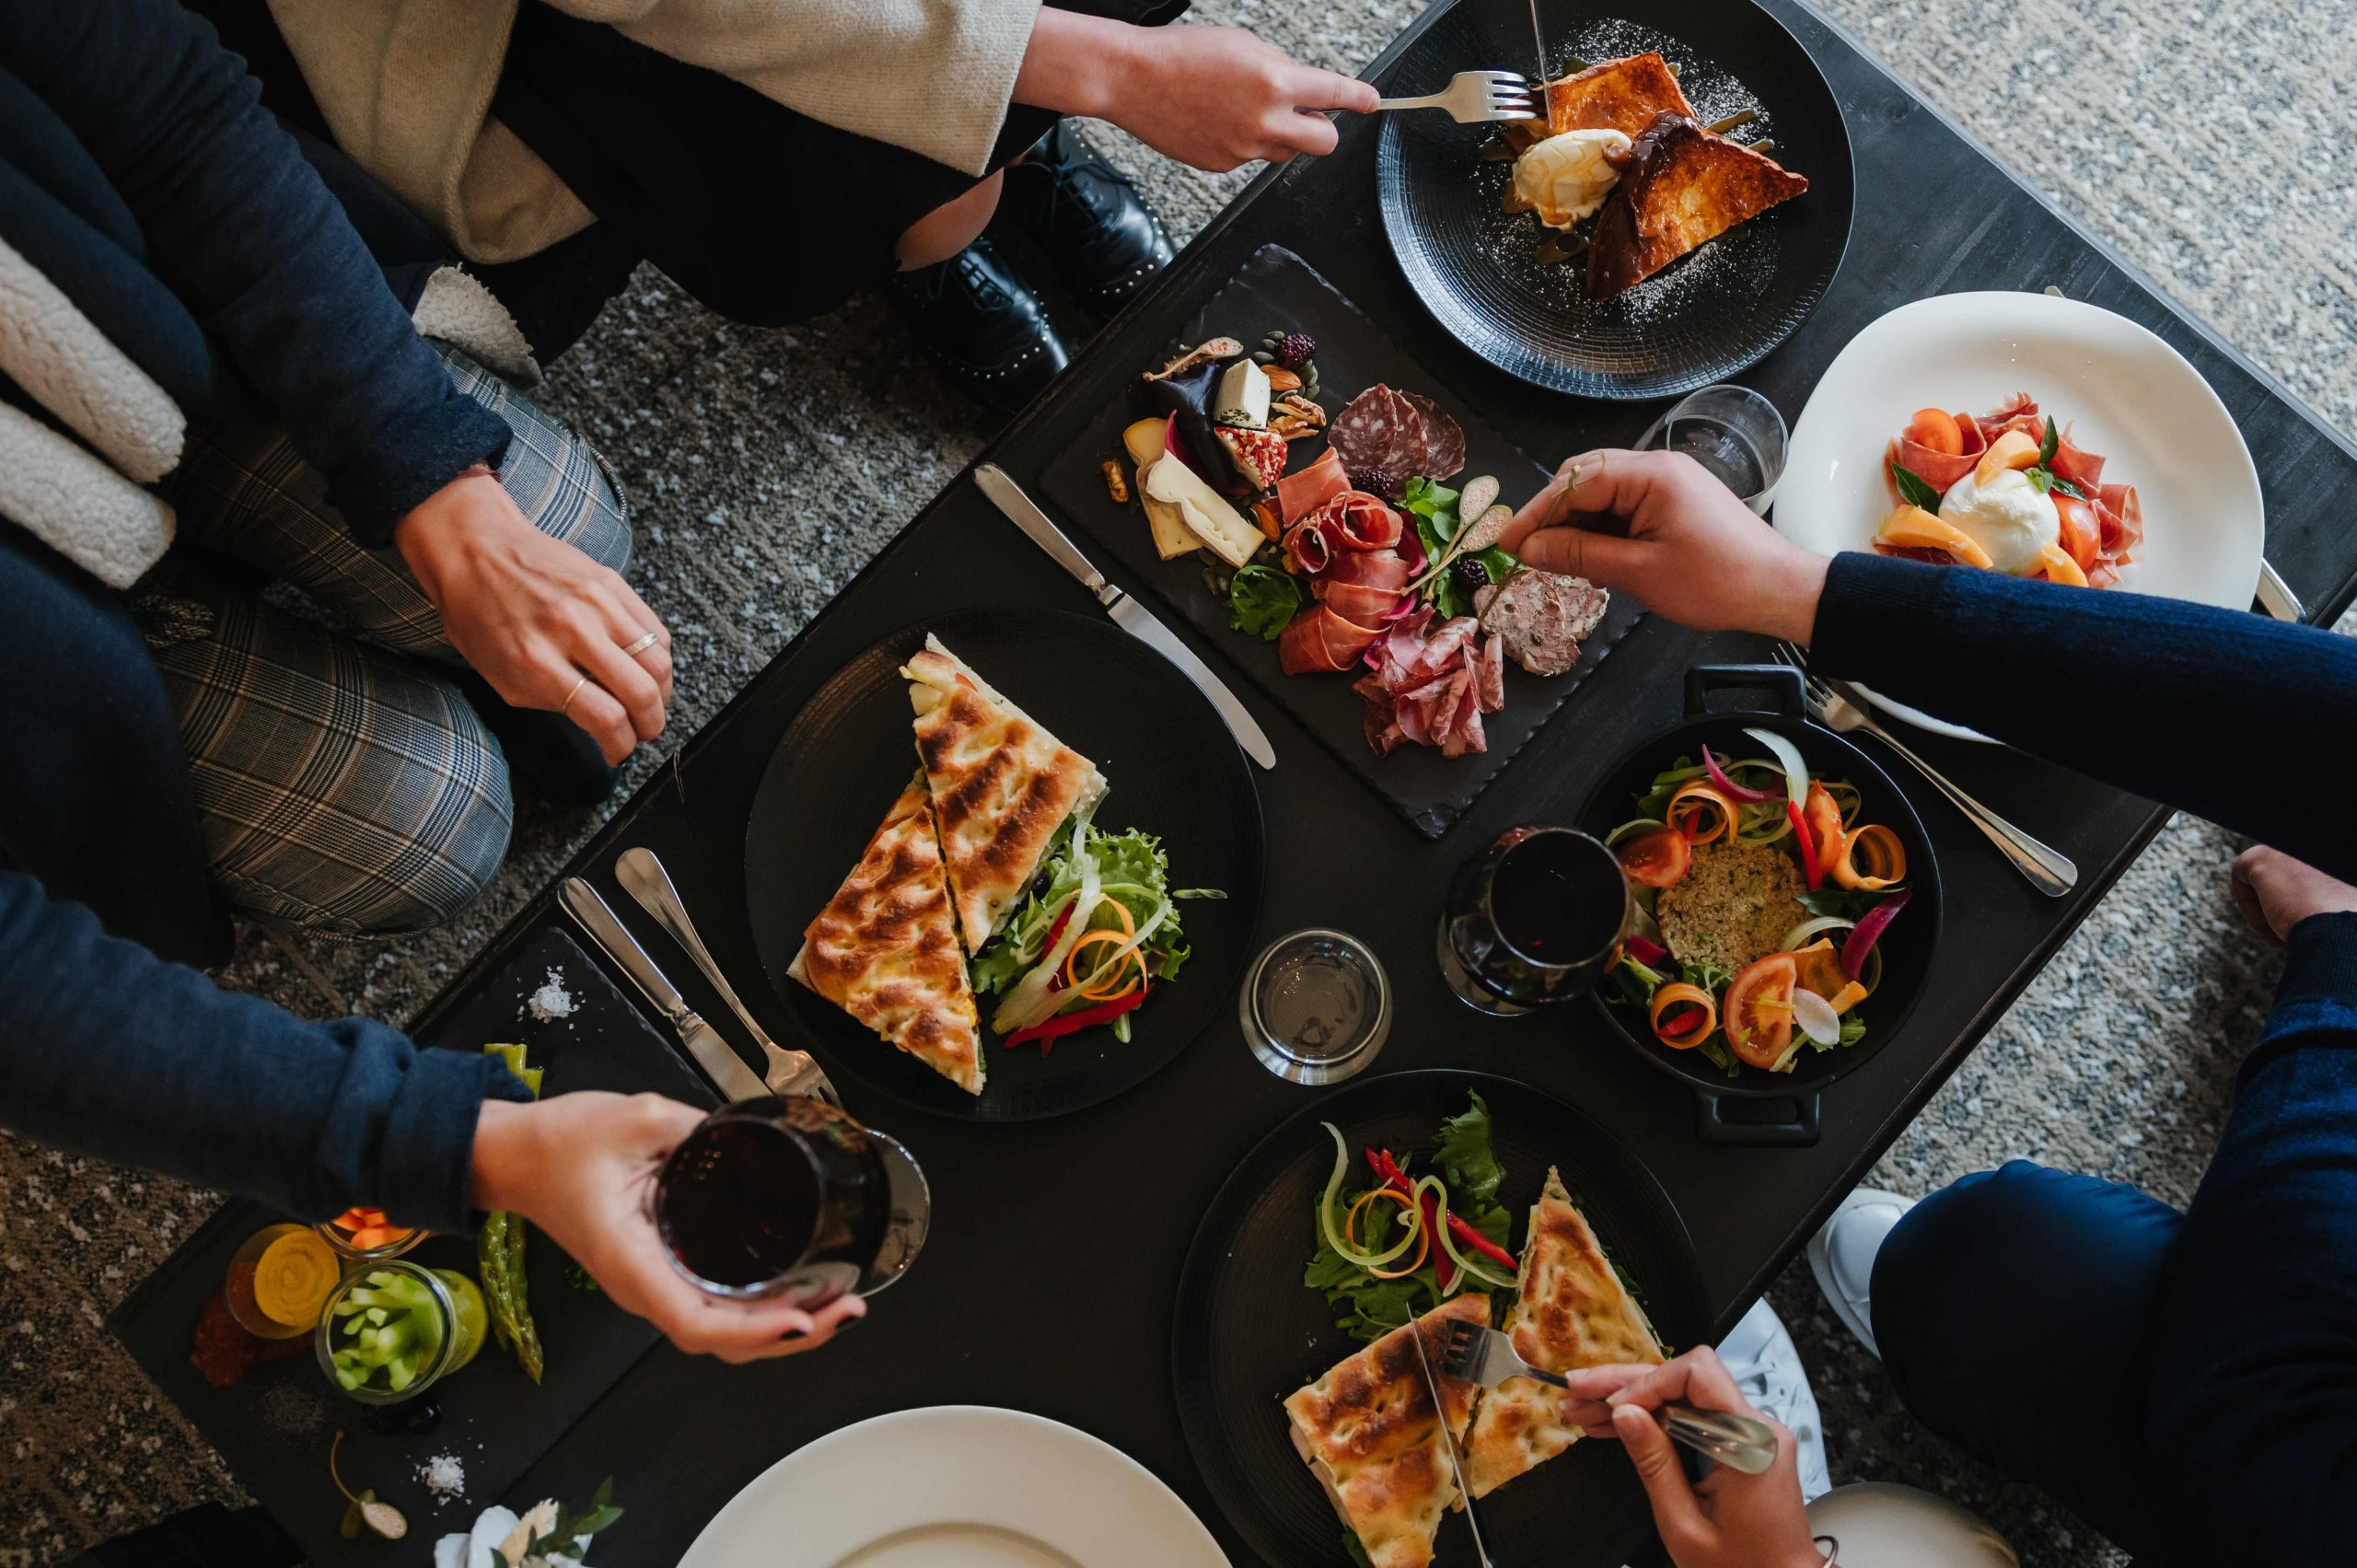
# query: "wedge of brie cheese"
x,y
1224,530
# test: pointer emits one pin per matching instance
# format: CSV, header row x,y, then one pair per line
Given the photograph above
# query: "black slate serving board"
x,y
274,1428
1274,287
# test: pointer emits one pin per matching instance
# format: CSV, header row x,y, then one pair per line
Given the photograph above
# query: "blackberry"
x,y
1296,349
1374,481
1471,575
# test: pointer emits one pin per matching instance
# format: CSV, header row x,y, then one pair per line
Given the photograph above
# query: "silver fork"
x,y
1476,1354
1835,704
643,878
1473,96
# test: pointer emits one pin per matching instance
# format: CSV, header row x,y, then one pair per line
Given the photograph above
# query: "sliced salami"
x,y
1444,439
1363,433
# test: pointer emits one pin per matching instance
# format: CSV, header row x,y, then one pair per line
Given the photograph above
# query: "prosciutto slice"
x,y
1429,685
1371,568
1320,640
1299,494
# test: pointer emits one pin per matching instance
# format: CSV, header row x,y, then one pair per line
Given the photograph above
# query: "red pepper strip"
x,y
1462,1229
1388,1169
1809,867
1676,1022
1087,1017
1057,982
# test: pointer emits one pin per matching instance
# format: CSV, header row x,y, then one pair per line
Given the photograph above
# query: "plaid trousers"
x,y
342,786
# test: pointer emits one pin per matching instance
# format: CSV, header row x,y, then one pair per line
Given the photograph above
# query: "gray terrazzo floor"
x,y
2209,143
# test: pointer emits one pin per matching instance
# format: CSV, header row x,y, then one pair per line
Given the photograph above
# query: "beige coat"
x,y
406,87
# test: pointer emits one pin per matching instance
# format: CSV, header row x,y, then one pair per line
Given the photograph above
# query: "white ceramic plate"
x,y
956,1486
2125,393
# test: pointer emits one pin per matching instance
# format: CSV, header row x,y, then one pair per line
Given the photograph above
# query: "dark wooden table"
x,y
1057,1245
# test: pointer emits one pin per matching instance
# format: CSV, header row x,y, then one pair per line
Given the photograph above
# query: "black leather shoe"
x,y
1087,216
981,326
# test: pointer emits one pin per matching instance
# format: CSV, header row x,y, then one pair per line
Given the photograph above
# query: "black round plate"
x,y
1174,772
1907,951
1700,319
1249,1332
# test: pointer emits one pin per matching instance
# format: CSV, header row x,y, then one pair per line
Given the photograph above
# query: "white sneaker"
x,y
1841,1256
1759,1354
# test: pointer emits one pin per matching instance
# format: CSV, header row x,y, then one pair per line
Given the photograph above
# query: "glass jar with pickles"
x,y
393,1329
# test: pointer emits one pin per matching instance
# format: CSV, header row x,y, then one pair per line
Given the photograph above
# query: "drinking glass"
x,y
1535,918
449,1340
787,1195
1732,431
1316,1006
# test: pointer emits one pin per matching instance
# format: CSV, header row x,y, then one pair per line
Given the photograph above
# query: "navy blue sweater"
x,y
141,175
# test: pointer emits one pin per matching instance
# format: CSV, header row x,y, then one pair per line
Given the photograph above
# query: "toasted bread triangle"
x,y
1618,95
1683,186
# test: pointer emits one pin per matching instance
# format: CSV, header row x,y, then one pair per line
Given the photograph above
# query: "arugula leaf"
x,y
1263,600
1468,1162
1714,1050
1133,868
1850,904
1915,489
2046,445
1352,1544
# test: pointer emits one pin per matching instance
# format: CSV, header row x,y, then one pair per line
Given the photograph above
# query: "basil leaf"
x,y
1263,600
2067,488
1915,489
2041,481
2046,447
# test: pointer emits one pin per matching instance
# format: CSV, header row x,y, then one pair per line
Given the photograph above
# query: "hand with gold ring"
x,y
547,626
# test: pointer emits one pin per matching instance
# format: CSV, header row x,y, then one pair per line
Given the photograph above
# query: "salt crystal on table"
x,y
551,1001
444,1475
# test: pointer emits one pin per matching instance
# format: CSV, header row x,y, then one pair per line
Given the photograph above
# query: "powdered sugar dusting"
x,y
1735,268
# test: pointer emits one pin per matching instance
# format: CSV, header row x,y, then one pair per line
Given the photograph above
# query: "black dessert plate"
x,y
1702,318
1174,771
1249,1332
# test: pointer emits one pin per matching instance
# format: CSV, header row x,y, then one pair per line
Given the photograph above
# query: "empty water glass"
x,y
1732,431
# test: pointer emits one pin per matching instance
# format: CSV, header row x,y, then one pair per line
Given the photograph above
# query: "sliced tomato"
x,y
1936,428
1757,1013
2081,530
1656,857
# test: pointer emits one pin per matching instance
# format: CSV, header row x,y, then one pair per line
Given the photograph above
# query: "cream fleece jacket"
x,y
406,85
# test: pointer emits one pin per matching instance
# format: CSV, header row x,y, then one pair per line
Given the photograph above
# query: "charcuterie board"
x,y
1276,291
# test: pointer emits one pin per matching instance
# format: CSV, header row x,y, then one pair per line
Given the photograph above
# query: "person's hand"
x,y
582,1168
534,616
1217,97
1212,97
1727,1519
2276,892
1659,526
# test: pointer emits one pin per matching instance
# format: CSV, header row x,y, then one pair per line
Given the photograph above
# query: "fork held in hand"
x,y
1472,97
2048,869
1476,1354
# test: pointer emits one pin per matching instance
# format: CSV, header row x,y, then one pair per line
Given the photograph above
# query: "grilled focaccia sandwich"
x,y
1369,1433
1572,1311
1001,787
884,949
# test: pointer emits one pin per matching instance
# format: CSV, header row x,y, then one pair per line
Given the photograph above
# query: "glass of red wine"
x,y
787,1195
1536,917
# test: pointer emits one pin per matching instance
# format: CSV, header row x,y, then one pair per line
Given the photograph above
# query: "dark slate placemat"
x,y
274,1428
1276,288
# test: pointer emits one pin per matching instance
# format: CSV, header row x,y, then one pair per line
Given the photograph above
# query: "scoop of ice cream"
x,y
1565,177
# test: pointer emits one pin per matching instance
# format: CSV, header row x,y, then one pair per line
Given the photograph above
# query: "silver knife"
x,y
713,1054
1448,1439
1127,614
